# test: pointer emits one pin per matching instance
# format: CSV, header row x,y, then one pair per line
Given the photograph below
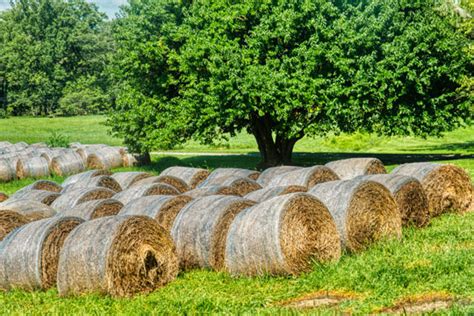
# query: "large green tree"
x,y
50,49
285,69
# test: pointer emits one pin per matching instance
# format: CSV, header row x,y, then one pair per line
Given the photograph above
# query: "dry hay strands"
x,y
72,198
45,185
68,163
32,210
192,176
94,209
306,177
84,176
99,181
448,187
127,179
35,167
144,190
105,158
3,197
43,196
234,172
410,197
271,192
350,168
281,236
200,230
117,255
29,255
7,173
212,190
268,174
364,211
9,220
242,185
175,182
162,208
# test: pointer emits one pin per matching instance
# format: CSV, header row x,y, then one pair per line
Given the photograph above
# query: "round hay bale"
x,y
234,172
200,230
85,150
29,256
212,190
98,181
410,197
72,198
83,176
175,182
162,208
127,179
51,153
270,192
364,211
35,167
68,163
32,210
7,173
117,255
3,197
94,209
192,176
306,177
448,187
144,190
268,174
347,169
43,196
45,185
281,236
243,185
9,220
105,158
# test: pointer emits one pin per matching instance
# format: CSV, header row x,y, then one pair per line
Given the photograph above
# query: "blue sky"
x,y
108,6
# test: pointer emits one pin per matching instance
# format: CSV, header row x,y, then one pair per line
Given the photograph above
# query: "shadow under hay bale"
x,y
234,172
175,182
162,208
191,176
35,167
137,191
83,176
410,197
94,209
306,177
281,236
347,169
3,197
43,196
72,198
242,185
98,181
7,173
29,256
9,220
117,255
268,174
68,163
212,190
32,210
45,185
127,179
200,230
271,192
448,187
364,211
105,158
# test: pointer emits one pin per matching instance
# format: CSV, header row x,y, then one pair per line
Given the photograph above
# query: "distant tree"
x,y
283,70
46,46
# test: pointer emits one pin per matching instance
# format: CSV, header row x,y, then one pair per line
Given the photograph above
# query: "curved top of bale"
x,y
127,179
9,220
45,185
94,209
85,175
307,177
268,174
98,181
143,190
271,192
175,182
234,172
350,168
243,185
46,197
81,195
32,210
212,190
192,176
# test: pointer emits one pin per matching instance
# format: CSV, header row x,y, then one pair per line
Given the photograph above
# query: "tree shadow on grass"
x,y
467,147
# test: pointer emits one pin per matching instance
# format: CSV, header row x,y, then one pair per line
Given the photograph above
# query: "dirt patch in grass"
x,y
420,304
318,299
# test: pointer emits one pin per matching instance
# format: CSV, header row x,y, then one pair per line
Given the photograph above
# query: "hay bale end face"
x,y
192,176
45,197
45,185
137,191
127,179
307,177
29,256
364,211
9,220
271,192
34,167
200,230
117,255
83,176
72,198
350,168
212,190
268,174
281,236
94,209
32,210
162,208
448,187
175,182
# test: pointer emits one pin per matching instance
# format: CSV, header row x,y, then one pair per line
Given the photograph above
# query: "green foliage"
x,y
47,49
57,139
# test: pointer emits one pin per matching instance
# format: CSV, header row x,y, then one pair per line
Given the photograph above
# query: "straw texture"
x,y
212,190
94,209
268,174
32,210
127,179
43,196
271,192
350,168
144,190
72,198
83,176
68,163
175,182
9,220
34,167
306,177
192,176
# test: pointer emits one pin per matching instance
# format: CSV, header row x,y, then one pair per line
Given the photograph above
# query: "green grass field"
x,y
436,260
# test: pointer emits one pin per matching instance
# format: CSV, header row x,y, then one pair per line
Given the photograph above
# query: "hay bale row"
x,y
350,168
191,176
